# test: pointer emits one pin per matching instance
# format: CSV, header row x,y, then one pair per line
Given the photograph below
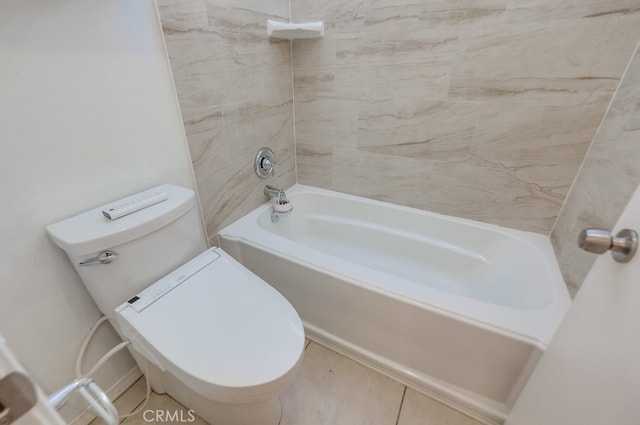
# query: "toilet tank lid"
x,y
92,231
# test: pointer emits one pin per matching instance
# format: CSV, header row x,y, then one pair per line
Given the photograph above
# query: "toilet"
x,y
203,328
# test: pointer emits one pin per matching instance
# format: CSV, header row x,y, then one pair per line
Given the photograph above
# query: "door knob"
x,y
622,246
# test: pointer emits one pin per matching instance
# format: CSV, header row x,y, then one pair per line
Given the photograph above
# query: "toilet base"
x,y
266,412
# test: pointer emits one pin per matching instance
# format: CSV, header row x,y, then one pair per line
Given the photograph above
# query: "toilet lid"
x,y
220,326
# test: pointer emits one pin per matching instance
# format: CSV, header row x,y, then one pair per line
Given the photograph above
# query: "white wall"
x,y
88,114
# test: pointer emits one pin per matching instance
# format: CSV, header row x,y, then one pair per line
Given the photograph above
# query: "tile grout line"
x,y
139,405
136,407
293,104
594,139
401,403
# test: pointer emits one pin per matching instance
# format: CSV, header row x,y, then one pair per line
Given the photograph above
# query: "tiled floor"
x,y
329,389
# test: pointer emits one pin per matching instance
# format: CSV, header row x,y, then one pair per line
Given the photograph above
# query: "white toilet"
x,y
203,328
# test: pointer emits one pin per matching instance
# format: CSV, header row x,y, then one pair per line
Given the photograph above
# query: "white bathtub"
x,y
457,309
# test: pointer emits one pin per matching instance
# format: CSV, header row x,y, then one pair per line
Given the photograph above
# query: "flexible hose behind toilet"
x,y
102,361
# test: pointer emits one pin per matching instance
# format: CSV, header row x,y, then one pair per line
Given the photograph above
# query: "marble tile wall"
x,y
475,108
235,93
481,109
606,181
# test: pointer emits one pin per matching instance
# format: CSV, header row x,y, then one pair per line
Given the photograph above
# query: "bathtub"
x,y
456,309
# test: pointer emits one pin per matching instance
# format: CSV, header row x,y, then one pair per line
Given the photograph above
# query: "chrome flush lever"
x,y
105,257
623,246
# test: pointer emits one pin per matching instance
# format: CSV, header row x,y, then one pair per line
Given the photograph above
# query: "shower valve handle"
x,y
265,163
598,241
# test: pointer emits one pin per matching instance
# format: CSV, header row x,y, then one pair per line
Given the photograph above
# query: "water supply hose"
x,y
103,360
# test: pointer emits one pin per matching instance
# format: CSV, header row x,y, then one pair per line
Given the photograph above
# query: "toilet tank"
x,y
150,242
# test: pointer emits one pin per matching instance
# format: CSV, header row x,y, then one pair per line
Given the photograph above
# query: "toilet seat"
x,y
220,329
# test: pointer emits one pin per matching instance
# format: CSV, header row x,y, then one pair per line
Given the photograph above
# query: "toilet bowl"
x,y
203,328
220,330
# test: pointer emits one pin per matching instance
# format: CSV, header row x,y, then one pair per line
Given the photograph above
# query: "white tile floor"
x,y
329,389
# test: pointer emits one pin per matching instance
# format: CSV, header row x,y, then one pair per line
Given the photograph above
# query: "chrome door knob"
x,y
597,241
623,246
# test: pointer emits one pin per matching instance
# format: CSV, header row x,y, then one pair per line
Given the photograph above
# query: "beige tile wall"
x,y
234,88
608,178
475,108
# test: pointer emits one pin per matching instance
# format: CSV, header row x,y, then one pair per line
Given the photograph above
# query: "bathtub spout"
x,y
273,192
